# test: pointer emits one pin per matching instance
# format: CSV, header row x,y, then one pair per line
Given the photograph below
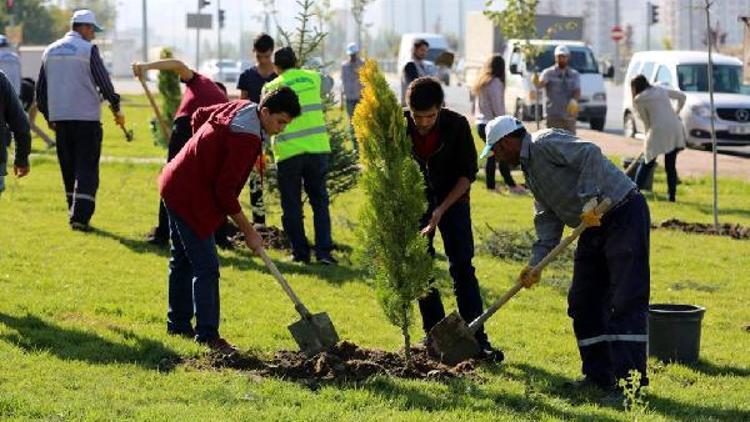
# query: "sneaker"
x,y
298,260
490,354
327,260
219,345
80,227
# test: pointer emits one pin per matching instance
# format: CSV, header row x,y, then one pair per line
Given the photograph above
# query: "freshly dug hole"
x,y
345,362
735,231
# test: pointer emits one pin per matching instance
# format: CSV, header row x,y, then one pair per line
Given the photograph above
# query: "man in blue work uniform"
x,y
608,300
71,80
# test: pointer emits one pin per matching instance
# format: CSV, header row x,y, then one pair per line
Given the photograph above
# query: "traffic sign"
x,y
199,20
617,33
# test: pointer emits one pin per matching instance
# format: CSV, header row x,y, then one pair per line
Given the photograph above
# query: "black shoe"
x,y
327,260
586,383
187,332
488,353
80,227
298,260
224,243
154,237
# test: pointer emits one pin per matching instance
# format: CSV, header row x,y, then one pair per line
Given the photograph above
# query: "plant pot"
x,y
674,332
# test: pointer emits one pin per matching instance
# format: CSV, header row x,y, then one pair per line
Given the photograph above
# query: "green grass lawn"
x,y
82,316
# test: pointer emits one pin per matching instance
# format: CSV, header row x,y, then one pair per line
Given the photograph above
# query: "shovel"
x,y
125,131
313,333
453,340
165,130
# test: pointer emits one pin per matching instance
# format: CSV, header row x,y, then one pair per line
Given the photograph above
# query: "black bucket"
x,y
649,184
674,332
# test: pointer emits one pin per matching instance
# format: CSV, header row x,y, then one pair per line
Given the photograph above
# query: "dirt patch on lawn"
x,y
346,362
273,238
735,231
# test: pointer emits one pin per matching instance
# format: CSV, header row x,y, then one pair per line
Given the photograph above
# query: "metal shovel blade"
x,y
315,334
452,340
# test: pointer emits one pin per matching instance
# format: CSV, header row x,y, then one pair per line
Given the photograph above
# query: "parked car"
x,y
225,70
687,71
520,93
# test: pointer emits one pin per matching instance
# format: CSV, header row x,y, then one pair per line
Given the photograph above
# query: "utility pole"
x,y
713,112
616,56
198,40
220,24
461,22
690,24
424,17
144,35
648,25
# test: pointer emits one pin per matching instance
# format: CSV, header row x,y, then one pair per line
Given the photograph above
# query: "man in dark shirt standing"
x,y
13,119
250,85
71,80
443,146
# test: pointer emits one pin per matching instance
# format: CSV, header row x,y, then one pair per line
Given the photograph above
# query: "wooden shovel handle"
x,y
601,208
284,285
162,124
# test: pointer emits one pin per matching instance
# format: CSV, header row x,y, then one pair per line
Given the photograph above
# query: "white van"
x,y
687,71
438,47
520,94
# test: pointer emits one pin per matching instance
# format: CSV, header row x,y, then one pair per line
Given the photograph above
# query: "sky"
x,y
166,18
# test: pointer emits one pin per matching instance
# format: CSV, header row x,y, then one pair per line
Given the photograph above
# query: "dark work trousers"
x,y
181,133
193,282
308,171
79,146
670,166
458,241
608,300
489,166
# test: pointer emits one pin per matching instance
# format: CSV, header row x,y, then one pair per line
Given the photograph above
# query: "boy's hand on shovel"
x,y
254,241
529,277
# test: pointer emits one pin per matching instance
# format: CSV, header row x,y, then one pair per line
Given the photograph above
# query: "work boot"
x,y
488,353
224,242
80,227
327,260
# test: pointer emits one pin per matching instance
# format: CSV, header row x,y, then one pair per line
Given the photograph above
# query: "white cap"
x,y
352,48
85,16
562,50
498,128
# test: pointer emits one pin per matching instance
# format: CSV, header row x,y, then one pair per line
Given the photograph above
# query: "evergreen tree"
x,y
395,201
169,88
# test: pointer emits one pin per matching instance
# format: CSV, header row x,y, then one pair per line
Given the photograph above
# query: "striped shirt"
x,y
564,172
99,75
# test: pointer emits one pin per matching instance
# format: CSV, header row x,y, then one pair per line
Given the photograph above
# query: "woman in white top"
x,y
489,93
664,131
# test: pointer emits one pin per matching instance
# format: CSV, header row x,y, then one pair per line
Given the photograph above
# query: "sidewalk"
x,y
690,162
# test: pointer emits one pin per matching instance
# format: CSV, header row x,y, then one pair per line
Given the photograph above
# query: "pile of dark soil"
x,y
346,362
273,238
735,231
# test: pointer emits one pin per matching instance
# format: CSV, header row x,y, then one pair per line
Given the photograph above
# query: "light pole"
x,y
144,16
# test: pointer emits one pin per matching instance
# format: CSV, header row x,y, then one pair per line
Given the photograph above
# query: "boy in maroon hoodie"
x,y
200,188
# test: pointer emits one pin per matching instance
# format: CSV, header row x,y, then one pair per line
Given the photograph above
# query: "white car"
x,y
687,71
225,70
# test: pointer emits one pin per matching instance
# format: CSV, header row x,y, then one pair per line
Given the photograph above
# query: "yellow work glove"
x,y
528,277
535,79
572,107
589,216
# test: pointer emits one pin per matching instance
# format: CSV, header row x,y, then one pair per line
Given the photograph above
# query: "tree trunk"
x,y
407,338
